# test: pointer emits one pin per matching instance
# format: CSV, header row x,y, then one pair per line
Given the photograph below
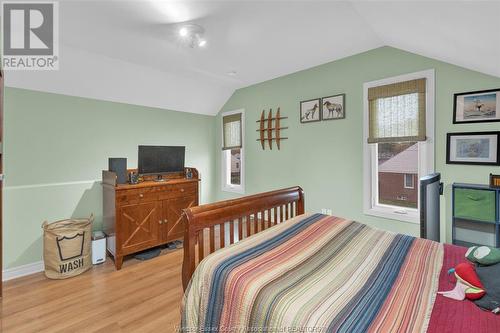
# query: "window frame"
x,y
412,186
225,154
425,152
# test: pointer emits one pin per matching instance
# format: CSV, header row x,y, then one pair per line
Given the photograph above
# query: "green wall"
x,y
325,158
56,146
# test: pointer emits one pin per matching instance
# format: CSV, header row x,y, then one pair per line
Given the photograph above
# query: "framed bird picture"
x,y
333,107
310,110
477,107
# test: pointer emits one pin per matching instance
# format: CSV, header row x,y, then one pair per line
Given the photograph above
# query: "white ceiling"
x,y
129,51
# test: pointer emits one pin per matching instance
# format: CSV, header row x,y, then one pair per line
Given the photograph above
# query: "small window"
x,y
232,151
409,179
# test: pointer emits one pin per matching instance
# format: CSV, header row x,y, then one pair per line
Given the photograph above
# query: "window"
x,y
409,179
232,170
399,144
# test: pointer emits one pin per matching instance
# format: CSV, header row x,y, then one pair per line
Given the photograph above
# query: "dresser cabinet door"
x,y
172,210
138,226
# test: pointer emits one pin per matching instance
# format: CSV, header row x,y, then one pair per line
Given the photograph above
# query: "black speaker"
x,y
430,190
119,166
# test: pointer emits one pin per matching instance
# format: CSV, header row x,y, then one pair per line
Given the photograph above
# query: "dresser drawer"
x,y
179,190
137,196
475,204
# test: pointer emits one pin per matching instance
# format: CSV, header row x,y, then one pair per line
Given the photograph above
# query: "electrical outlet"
x,y
323,211
329,212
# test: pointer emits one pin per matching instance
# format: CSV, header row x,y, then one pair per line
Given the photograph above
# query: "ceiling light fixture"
x,y
192,35
183,32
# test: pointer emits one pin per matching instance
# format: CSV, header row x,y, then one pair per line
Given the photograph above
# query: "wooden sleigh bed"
x,y
220,224
245,270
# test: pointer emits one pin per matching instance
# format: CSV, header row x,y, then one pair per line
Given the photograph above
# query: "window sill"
x,y
234,189
411,216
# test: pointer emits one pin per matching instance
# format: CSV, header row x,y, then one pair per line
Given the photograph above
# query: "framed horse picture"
x,y
333,107
310,110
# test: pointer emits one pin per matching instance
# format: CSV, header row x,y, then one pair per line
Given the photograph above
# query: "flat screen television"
x,y
159,160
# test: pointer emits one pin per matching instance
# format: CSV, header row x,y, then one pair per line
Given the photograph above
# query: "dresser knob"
x,y
166,221
141,195
182,190
160,222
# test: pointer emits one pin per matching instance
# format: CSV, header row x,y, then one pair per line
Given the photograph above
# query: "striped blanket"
x,y
316,273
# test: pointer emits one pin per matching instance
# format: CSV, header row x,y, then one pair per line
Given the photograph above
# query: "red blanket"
x,y
453,316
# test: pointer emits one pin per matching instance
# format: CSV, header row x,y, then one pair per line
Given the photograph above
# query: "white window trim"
x,y
224,186
412,186
425,151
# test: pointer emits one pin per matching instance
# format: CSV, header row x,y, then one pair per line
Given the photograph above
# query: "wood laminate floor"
x,y
141,297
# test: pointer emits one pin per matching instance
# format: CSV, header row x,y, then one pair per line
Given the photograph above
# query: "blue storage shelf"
x,y
476,228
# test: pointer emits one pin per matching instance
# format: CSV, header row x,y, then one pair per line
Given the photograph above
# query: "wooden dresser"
x,y
137,217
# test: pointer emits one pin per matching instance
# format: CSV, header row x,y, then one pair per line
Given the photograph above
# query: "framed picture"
x,y
310,110
333,107
473,148
477,107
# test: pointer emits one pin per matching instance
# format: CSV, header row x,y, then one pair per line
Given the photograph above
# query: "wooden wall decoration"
x,y
270,129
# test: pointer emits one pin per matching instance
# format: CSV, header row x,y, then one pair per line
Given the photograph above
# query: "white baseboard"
x,y
17,272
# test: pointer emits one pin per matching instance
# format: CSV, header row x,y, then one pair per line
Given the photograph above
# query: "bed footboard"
x,y
210,227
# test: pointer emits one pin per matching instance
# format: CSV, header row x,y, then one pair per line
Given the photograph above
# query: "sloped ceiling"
x,y
129,51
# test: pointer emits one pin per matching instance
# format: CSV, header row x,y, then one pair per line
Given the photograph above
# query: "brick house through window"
x,y
397,179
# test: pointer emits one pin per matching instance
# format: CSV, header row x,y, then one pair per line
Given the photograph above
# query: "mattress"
x,y
318,273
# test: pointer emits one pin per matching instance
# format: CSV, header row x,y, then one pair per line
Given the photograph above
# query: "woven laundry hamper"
x,y
67,247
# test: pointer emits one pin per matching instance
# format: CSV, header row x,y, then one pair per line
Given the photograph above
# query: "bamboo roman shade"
x,y
231,127
397,112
